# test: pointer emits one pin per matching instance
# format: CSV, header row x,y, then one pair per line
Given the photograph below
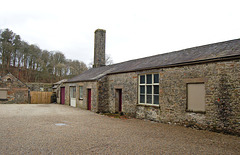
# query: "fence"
x,y
38,97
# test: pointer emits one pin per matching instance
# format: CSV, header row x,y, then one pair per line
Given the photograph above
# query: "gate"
x,y
38,97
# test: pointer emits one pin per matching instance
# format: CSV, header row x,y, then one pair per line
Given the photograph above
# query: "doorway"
x,y
89,99
73,96
118,100
62,95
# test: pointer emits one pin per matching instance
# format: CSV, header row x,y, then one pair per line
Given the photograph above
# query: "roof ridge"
x,y
167,53
230,48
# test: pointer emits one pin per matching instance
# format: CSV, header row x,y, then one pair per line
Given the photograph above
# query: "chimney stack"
x,y
99,48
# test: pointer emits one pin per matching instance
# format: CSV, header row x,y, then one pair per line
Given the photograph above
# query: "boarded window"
x,y
3,94
196,97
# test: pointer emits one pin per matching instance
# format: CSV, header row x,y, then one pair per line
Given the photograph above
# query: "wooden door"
x,y
89,99
62,97
120,100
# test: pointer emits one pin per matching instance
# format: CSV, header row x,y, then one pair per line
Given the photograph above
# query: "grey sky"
x,y
134,28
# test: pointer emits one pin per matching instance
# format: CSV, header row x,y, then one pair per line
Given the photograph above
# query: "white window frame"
x,y
72,90
145,84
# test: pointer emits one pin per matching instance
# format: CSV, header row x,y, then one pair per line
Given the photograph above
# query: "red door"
x,y
120,100
89,99
62,97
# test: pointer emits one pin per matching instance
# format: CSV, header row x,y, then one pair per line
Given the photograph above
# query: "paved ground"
x,y
32,129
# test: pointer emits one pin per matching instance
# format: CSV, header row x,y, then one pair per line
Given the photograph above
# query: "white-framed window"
x,y
148,89
80,92
72,92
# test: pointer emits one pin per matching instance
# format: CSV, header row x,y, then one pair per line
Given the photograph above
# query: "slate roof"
x,y
57,84
191,55
61,81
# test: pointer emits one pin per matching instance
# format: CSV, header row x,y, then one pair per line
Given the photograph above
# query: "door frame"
x,y
89,99
118,100
62,97
72,98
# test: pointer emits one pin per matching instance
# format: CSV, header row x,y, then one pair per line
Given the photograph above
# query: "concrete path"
x,y
60,129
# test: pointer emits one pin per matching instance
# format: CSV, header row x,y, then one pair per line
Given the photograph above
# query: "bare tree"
x,y
108,61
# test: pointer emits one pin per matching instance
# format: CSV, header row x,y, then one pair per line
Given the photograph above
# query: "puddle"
x,y
60,124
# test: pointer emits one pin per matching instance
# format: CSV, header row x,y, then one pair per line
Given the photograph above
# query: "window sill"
x,y
199,112
2,99
148,105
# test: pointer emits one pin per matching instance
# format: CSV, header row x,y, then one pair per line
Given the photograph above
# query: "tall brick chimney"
x,y
99,48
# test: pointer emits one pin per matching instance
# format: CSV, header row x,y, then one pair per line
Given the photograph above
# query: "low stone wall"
x,y
47,87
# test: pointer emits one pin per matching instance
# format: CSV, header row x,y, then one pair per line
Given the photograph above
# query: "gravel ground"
x,y
60,129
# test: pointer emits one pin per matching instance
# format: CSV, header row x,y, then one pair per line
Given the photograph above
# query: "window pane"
x,y
156,89
156,78
142,89
74,92
149,89
149,78
142,98
149,99
156,99
142,79
71,92
80,92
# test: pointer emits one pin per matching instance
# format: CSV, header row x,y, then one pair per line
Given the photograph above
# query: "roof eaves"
x,y
90,80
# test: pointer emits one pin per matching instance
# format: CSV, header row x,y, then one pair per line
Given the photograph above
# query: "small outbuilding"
x,y
12,90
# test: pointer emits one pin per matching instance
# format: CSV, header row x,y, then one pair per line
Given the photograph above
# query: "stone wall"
x,y
128,83
47,87
222,97
82,103
17,92
103,95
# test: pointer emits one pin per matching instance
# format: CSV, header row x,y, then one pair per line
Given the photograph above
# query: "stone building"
x,y
197,87
57,88
12,90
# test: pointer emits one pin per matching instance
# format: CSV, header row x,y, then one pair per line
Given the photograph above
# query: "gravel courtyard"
x,y
60,129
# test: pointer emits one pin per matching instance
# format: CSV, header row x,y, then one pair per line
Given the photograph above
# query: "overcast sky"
x,y
134,28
